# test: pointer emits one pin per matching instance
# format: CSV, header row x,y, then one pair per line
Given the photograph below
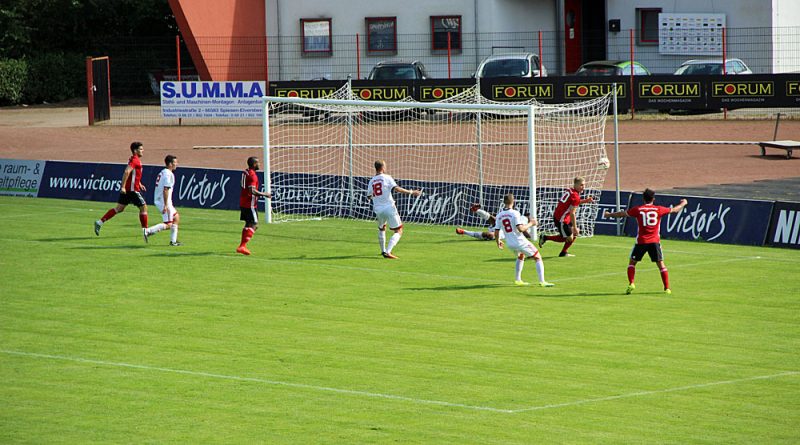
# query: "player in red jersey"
x,y
130,191
248,203
564,217
648,217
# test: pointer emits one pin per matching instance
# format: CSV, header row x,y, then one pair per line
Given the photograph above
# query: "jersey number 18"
x,y
649,218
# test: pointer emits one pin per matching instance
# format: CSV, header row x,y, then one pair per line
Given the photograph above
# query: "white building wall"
x,y
786,34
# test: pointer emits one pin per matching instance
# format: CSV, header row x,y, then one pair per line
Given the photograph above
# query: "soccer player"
x,y
564,217
165,183
130,191
511,224
487,235
379,190
248,203
648,218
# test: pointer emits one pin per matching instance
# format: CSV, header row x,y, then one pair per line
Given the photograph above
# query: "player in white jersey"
x,y
379,190
165,184
510,223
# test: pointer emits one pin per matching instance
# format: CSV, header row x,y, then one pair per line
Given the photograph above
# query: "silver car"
x,y
511,65
712,66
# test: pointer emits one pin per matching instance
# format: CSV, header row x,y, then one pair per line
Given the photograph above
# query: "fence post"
x,y
724,68
448,54
541,60
630,86
90,90
358,57
178,59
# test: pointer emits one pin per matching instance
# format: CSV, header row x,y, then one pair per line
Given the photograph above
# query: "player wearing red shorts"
x,y
131,190
648,240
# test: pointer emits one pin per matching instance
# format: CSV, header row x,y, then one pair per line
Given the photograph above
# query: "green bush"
x,y
13,74
53,77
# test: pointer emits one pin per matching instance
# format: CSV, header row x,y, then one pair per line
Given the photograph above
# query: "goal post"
x,y
319,155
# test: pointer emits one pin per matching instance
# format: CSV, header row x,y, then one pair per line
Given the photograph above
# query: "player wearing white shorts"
x,y
165,183
510,223
379,190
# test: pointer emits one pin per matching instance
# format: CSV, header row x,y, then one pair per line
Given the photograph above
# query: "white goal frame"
x,y
527,109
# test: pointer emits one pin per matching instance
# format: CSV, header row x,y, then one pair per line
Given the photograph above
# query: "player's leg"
x,y
250,218
122,202
520,264
173,235
658,258
637,253
473,234
569,238
137,199
560,237
533,252
394,223
381,221
166,221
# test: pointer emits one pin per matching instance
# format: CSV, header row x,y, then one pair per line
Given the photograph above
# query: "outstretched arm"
x,y
679,207
399,189
620,214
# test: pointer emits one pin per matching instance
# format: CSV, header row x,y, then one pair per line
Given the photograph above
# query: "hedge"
x,y
47,77
13,74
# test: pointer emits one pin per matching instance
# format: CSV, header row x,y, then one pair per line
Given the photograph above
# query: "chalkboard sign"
x,y
382,34
441,26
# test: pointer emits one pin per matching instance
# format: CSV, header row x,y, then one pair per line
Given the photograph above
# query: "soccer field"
x,y
316,339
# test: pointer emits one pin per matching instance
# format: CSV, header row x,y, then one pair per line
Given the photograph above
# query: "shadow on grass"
x,y
461,287
120,247
333,258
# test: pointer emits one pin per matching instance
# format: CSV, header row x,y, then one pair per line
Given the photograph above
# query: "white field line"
x,y
657,391
620,271
412,400
257,380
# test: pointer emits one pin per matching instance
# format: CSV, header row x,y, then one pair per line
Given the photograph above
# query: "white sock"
x,y
382,239
520,264
540,270
483,214
476,235
393,242
156,228
173,234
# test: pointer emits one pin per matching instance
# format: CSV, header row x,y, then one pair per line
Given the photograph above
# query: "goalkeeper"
x,y
488,234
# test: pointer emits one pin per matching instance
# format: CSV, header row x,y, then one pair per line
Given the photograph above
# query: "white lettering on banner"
x,y
787,228
433,206
227,100
699,222
202,190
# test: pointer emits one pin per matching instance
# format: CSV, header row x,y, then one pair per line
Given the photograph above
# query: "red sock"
x,y
665,278
109,214
143,220
631,273
247,234
566,246
556,238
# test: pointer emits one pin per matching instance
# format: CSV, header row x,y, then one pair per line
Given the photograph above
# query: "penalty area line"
x,y
258,380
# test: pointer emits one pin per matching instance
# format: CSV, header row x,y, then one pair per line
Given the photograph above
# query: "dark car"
x,y
398,70
612,68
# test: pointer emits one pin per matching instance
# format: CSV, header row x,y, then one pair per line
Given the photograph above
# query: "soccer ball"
x,y
604,163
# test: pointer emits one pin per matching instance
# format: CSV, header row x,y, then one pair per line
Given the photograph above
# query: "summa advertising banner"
x,y
728,221
20,178
233,100
784,226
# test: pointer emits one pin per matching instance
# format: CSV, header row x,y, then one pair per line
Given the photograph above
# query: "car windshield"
x,y
700,69
506,68
393,72
597,70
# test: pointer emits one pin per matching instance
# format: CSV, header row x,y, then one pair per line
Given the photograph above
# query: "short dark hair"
x,y
508,199
251,161
135,146
380,164
169,159
648,196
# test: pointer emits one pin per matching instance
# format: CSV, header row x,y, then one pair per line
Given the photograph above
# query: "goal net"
x,y
319,155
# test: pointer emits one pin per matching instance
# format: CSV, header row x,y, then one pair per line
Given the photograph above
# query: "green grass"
x,y
317,339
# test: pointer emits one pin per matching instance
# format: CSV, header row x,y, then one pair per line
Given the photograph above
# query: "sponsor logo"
x,y
216,90
434,93
523,92
304,93
655,90
592,90
382,93
793,88
202,190
742,89
787,228
699,223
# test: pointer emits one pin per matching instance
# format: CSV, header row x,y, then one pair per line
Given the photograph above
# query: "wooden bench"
x,y
783,145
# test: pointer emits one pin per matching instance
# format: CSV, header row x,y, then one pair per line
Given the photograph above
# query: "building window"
x,y
648,25
316,36
441,26
382,34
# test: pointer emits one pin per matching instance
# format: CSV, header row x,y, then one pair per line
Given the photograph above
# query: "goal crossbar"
x,y
382,104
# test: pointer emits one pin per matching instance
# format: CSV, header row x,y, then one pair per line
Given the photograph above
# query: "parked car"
x,y
612,68
398,69
511,65
712,66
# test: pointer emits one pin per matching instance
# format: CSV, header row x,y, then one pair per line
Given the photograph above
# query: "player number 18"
x,y
649,218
